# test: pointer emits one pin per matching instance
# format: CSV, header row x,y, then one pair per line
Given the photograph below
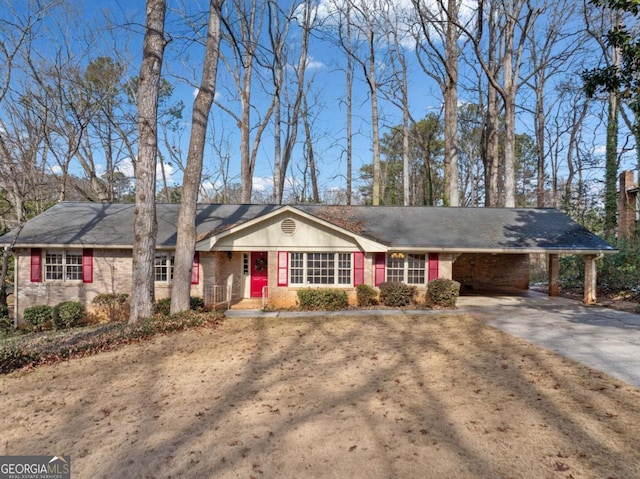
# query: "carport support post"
x,y
590,278
553,274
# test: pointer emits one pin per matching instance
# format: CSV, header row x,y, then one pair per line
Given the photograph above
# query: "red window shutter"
x,y
358,268
381,266
36,265
283,268
87,265
195,268
433,266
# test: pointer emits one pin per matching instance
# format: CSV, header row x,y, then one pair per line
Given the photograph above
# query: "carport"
x,y
503,272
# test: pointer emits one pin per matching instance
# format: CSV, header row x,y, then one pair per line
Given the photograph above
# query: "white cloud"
x,y
126,168
168,173
262,183
313,64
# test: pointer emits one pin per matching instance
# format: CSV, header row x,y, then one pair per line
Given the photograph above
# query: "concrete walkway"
x,y
601,338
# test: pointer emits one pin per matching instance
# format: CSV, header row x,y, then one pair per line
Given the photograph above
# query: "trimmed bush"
x,y
442,293
113,307
67,314
322,299
38,316
397,294
367,296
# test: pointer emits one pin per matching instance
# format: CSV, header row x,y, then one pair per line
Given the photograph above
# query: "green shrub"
x,y
397,294
196,303
442,293
367,296
322,299
163,306
67,314
113,307
5,325
5,321
38,316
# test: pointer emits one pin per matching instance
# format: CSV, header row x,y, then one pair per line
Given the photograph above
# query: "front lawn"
x,y
377,396
48,347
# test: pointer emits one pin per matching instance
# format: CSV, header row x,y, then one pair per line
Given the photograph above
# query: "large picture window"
x,y
320,268
406,268
63,265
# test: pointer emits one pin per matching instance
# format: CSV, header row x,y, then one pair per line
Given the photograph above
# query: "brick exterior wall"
x,y
111,274
492,272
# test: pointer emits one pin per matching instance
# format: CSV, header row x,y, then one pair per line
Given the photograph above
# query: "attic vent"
x,y
288,227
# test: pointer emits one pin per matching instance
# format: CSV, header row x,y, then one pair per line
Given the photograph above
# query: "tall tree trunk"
x,y
186,240
370,73
540,122
145,225
311,159
611,169
349,107
451,106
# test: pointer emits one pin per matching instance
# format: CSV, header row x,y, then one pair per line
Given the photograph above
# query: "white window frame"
x,y
399,266
67,269
163,271
321,269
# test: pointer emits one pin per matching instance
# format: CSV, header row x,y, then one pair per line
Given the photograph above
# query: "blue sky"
x,y
326,66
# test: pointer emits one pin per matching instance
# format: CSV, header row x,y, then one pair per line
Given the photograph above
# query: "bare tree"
x,y
285,97
508,22
242,24
437,42
145,225
186,240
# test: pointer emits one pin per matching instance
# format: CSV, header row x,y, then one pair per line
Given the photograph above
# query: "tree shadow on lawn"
x,y
381,396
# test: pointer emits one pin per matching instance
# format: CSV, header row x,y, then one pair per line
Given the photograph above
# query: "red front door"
x,y
259,273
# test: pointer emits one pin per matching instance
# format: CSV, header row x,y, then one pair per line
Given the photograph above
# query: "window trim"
x,y
298,266
170,259
66,268
392,265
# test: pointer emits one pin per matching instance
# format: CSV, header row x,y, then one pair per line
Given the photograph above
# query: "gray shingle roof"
x,y
456,229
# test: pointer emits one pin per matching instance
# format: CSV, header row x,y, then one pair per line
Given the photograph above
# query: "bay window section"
x,y
320,269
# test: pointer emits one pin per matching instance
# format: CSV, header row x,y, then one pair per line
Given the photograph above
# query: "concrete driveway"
x,y
601,338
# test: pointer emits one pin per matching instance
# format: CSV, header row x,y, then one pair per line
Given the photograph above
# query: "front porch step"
x,y
247,303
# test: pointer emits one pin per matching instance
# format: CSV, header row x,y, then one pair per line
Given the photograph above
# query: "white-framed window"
x,y
333,269
407,268
245,264
163,267
63,265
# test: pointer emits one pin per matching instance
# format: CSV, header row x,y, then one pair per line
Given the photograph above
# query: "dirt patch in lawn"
x,y
432,395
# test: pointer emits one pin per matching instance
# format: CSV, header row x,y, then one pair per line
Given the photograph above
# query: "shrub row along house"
x,y
75,251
